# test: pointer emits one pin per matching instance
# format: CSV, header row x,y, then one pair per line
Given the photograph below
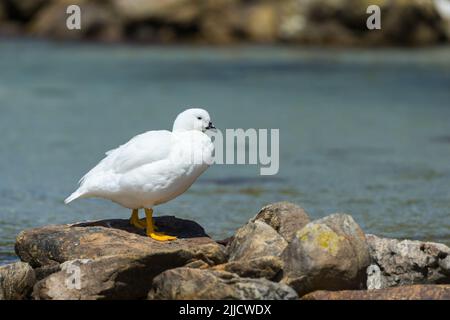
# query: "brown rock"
x,y
268,267
404,262
114,260
197,264
57,244
254,240
285,217
187,283
330,253
110,277
415,292
16,281
343,22
45,271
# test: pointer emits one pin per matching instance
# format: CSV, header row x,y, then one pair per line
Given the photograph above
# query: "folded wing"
x,y
143,149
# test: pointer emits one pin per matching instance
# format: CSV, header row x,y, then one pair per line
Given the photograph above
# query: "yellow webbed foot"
x,y
159,236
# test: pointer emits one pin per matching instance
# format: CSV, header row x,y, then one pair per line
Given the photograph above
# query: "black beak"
x,y
210,126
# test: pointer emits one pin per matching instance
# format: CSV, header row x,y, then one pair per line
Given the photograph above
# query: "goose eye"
x,y
199,118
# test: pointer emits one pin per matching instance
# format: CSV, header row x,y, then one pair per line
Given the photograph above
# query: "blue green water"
x,y
362,132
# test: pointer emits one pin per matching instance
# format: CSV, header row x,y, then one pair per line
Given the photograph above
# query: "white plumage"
x,y
153,167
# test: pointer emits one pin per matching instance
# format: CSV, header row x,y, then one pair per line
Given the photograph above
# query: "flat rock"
x,y
188,283
414,292
268,267
404,262
285,217
112,259
330,253
254,240
16,281
91,240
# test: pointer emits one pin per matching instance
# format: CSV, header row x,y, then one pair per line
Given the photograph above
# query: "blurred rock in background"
x,y
315,22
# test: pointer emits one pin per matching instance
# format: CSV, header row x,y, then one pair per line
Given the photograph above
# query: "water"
x,y
362,132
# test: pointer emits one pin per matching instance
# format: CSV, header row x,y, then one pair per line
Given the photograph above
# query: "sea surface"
x,y
363,132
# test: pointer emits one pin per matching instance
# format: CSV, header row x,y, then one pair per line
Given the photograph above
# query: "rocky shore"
x,y
318,22
279,254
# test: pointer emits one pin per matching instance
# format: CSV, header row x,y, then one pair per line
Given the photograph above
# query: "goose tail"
x,y
77,194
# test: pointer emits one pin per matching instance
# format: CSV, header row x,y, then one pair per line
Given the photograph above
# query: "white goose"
x,y
152,168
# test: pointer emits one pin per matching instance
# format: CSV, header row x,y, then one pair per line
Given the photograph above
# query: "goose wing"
x,y
142,149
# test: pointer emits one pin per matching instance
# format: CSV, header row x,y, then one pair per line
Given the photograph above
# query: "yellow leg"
x,y
139,223
134,220
151,228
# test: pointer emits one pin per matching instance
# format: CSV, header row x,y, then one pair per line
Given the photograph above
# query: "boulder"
x,y
254,240
114,259
330,253
285,217
268,267
110,277
415,292
188,283
90,240
16,281
404,262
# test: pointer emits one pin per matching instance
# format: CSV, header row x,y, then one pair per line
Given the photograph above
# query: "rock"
x,y
268,267
318,22
343,22
444,264
268,233
115,260
415,292
405,262
197,264
255,239
285,217
16,281
45,271
113,277
187,283
330,253
59,243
